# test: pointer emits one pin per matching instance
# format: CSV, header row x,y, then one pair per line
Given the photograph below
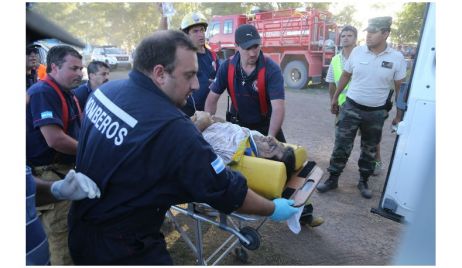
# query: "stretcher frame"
x,y
301,186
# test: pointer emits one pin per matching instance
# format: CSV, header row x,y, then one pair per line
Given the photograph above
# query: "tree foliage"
x,y
125,24
347,17
407,27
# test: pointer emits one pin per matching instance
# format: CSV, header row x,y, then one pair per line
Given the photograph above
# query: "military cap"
x,y
379,23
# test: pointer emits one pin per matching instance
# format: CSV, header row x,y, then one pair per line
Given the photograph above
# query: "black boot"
x,y
364,188
330,184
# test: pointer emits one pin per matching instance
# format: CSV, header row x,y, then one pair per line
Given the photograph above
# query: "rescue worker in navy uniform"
x,y
248,110
98,74
146,155
52,127
371,70
194,25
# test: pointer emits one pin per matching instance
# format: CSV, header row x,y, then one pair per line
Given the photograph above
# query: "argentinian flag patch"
x,y
218,165
46,114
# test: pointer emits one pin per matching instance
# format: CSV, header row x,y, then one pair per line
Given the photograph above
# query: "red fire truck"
x,y
301,42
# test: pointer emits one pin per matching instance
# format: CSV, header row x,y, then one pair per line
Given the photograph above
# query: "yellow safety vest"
x,y
337,68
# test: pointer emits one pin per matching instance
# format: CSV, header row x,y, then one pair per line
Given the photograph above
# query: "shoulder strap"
x,y
262,89
261,83
232,94
64,107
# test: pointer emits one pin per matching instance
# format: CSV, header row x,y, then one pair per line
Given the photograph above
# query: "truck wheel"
x,y
295,74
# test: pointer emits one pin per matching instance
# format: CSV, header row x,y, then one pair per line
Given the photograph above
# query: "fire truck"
x,y
301,42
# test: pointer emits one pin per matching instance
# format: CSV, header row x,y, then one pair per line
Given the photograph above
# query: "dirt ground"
x,y
351,234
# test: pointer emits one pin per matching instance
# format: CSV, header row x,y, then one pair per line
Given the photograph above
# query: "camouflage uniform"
x,y
54,217
351,119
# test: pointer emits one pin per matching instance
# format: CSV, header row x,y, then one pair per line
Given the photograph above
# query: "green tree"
x,y
347,17
406,29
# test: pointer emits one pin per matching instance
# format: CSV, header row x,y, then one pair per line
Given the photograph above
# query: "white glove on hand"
x,y
75,186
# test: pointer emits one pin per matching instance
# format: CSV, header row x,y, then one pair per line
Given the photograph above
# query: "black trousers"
x,y
134,240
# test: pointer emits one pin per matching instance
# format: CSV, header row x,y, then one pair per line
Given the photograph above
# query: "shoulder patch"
x,y
46,114
218,165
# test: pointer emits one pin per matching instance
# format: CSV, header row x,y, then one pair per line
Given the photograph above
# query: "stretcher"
x,y
266,177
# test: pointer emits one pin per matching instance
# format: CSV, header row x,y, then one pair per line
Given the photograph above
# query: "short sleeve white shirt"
x,y
373,75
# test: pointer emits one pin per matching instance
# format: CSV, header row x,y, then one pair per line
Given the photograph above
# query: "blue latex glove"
x,y
75,186
283,209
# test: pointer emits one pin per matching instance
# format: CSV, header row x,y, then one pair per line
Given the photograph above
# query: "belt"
x,y
364,107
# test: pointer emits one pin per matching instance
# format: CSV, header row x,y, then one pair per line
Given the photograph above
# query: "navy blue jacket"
x,y
143,152
145,155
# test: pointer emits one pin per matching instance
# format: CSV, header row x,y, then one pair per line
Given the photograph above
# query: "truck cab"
x,y
301,42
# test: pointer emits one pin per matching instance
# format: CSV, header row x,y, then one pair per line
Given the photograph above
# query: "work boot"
x,y
330,184
307,217
311,220
364,189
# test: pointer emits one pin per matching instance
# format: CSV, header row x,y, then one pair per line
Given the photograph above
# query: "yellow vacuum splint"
x,y
268,177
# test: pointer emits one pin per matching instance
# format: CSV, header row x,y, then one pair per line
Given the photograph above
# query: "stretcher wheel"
x,y
241,255
253,236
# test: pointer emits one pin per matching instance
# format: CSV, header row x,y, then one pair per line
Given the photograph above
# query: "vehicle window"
x,y
214,29
228,27
114,50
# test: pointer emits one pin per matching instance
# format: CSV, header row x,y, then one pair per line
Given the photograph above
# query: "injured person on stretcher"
x,y
231,142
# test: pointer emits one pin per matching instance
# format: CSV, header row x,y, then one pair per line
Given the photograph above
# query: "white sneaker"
x,y
378,168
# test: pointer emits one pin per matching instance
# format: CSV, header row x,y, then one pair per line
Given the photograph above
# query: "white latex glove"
x,y
75,186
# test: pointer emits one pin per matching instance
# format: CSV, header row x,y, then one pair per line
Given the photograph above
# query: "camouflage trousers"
x,y
54,217
350,120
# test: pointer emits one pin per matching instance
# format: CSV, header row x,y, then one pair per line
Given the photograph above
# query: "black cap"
x,y
246,36
32,48
38,27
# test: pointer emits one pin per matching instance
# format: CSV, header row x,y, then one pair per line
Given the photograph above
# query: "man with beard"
x,y
52,127
98,74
